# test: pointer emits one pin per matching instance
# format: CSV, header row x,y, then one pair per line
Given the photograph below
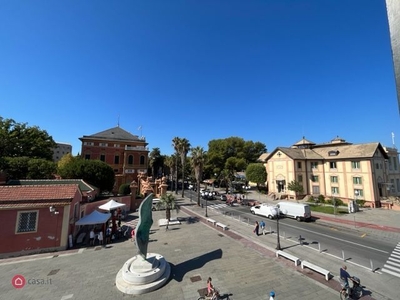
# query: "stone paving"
x,y
195,251
239,263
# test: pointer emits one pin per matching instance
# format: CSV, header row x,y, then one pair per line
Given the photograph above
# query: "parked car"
x,y
154,205
298,211
223,197
265,210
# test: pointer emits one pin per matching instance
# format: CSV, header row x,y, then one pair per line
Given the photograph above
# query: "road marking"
x,y
67,297
338,239
363,235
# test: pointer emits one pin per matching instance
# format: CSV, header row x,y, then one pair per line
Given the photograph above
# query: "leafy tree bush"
x,y
19,139
296,187
360,202
124,189
255,172
311,199
95,172
321,199
28,168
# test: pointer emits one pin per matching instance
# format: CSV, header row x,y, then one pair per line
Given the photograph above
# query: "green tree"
x,y
175,143
124,189
95,172
295,187
168,202
29,168
156,161
65,160
184,147
198,159
41,169
19,139
255,172
221,149
16,167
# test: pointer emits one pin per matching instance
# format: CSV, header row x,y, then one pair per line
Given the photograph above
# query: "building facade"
x,y
337,169
37,218
61,150
126,153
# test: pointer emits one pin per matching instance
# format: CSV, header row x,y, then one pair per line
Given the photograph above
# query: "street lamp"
x,y
206,195
278,245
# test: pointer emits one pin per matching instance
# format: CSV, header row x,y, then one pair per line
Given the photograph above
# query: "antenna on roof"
x,y
118,121
394,146
140,129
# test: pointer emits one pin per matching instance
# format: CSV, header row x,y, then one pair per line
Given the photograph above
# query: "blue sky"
x,y
265,70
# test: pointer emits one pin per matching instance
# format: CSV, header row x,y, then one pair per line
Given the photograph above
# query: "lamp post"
x,y
206,205
278,244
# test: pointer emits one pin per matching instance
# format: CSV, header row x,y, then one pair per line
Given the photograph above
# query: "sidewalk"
x,y
195,251
375,221
382,286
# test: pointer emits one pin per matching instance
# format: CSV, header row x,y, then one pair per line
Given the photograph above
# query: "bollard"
x,y
300,240
270,230
372,265
343,255
284,235
319,247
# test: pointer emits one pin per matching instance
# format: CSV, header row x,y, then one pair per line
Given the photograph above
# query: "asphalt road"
x,y
367,251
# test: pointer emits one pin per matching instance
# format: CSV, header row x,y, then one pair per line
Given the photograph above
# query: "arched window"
x,y
130,160
142,160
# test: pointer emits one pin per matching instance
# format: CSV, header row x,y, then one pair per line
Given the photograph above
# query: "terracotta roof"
x,y
36,195
113,134
84,186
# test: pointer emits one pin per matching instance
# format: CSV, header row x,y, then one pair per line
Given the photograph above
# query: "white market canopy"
x,y
95,217
110,205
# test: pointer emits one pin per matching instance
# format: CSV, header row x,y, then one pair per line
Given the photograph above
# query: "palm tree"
x,y
169,161
168,202
198,162
155,161
184,147
175,143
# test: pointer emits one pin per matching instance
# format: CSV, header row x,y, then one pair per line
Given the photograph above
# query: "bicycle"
x,y
216,296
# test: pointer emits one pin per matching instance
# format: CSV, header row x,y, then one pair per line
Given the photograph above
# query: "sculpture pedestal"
x,y
139,276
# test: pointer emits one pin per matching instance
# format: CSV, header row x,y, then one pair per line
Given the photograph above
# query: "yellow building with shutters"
x,y
338,169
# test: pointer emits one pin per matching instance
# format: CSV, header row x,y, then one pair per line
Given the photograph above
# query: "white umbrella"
x,y
110,205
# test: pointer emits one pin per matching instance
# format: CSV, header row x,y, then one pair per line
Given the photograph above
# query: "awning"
x,y
95,217
110,205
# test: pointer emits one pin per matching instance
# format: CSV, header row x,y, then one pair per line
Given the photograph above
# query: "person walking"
x,y
272,295
100,237
262,226
91,237
256,227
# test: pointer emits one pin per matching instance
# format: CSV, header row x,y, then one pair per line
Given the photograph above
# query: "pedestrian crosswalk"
x,y
392,265
217,206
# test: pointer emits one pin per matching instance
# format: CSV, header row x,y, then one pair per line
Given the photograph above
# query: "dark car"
x,y
223,197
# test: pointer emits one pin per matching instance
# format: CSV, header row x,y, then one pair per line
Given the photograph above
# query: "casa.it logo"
x,y
18,281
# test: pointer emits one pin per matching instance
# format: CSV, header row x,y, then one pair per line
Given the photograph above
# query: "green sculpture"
x,y
144,225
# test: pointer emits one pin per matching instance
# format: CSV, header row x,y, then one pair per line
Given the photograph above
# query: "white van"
x,y
264,210
298,211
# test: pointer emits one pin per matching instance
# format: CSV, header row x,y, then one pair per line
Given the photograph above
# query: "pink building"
x,y
37,218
